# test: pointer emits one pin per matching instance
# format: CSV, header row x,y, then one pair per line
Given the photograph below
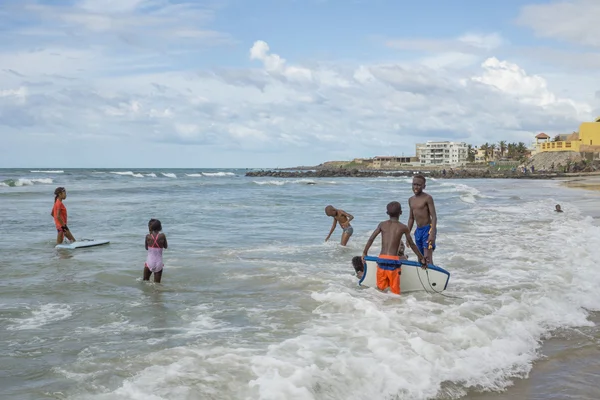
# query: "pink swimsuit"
x,y
154,261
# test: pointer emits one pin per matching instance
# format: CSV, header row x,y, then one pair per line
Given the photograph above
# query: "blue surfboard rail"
x,y
404,262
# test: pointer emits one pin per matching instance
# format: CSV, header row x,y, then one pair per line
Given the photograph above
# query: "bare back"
x,y
391,236
422,209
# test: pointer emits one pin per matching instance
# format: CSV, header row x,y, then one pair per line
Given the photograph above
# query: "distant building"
x,y
418,148
586,140
443,153
480,155
386,161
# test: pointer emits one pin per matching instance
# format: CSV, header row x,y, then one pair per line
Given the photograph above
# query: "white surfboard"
x,y
82,243
413,277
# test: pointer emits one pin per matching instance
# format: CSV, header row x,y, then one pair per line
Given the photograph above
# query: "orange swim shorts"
x,y
388,275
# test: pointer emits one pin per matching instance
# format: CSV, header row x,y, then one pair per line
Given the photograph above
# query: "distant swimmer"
x,y
557,208
155,243
343,218
422,210
59,213
392,231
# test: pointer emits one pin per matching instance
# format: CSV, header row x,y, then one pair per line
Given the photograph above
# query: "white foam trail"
x,y
45,314
48,172
26,182
128,173
218,174
169,174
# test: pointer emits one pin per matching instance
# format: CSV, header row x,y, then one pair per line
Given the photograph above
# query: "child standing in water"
x,y
422,211
343,218
59,213
389,265
155,243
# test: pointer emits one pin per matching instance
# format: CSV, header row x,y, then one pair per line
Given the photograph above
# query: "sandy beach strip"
x,y
588,182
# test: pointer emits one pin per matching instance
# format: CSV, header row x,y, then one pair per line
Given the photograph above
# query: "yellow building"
x,y
587,140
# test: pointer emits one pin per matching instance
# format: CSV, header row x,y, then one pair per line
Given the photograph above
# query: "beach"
x,y
591,182
255,305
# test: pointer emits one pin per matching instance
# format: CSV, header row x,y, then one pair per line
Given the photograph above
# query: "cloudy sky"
x,y
274,83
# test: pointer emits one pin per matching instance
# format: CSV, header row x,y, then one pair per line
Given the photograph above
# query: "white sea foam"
x,y
40,316
218,174
168,174
49,171
26,182
128,173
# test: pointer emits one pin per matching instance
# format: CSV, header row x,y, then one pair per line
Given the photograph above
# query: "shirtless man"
x,y
343,218
389,265
422,210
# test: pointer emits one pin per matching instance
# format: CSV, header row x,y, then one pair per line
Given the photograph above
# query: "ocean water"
x,y
255,305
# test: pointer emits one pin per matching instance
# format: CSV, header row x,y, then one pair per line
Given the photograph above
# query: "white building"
x,y
442,153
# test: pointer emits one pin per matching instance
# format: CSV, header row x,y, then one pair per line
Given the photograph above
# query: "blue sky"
x,y
274,83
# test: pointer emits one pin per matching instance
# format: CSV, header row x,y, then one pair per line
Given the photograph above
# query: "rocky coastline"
x,y
449,174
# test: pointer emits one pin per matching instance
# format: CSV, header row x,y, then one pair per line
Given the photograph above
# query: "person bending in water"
x,y
422,210
392,231
343,218
557,208
59,213
155,243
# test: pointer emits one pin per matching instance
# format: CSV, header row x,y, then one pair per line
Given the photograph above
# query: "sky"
x,y
283,83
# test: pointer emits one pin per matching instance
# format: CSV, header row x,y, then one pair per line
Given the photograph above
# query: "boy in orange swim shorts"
x,y
389,264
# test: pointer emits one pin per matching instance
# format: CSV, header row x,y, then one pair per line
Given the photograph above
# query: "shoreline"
x,y
586,182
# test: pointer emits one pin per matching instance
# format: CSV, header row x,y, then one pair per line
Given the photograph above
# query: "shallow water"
x,y
254,305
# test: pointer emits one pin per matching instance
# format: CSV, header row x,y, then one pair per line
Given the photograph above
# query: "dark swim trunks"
x,y
421,238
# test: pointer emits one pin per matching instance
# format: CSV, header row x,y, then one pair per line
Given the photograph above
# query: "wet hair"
x,y
394,209
358,264
155,225
57,192
420,177
329,209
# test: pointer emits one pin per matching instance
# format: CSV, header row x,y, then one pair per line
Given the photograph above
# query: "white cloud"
x,y
118,90
574,21
276,65
528,89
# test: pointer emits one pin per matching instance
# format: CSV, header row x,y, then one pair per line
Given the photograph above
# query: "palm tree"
x,y
502,145
492,149
485,147
557,138
512,150
470,153
521,150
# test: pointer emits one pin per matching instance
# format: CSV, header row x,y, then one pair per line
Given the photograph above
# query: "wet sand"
x,y
591,182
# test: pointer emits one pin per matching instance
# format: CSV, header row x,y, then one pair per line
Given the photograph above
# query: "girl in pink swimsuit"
x,y
155,243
